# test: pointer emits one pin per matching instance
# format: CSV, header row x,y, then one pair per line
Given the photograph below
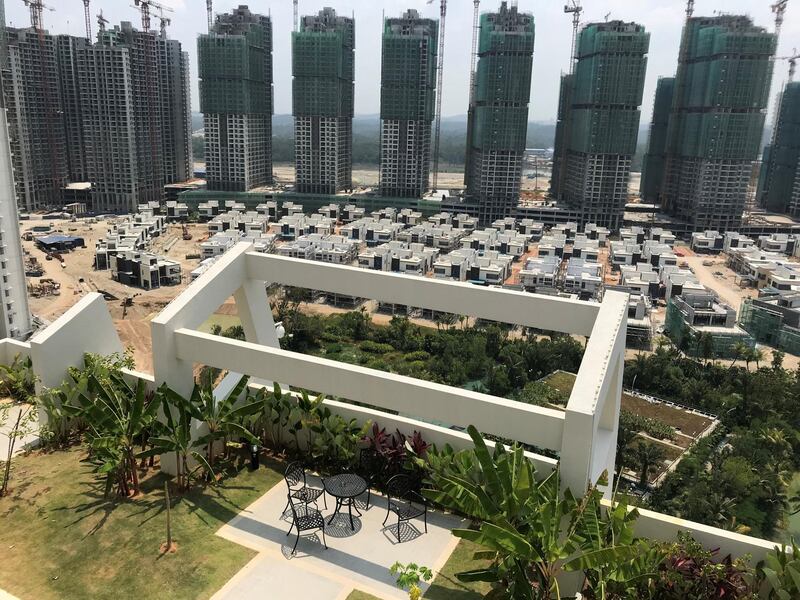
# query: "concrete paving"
x,y
356,558
19,446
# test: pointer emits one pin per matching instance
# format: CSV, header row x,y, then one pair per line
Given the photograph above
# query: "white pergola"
x,y
584,434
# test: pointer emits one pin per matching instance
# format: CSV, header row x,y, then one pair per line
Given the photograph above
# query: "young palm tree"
x,y
647,456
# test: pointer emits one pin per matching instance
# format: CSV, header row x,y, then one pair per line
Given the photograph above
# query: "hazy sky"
x,y
662,18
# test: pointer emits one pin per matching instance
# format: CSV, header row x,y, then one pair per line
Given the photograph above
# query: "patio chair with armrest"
x,y
310,519
405,502
295,477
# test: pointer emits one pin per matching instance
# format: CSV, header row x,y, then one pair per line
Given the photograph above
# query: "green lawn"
x,y
445,586
62,539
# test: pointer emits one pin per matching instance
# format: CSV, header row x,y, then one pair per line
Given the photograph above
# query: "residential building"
x,y
408,90
708,241
710,322
717,119
583,277
143,269
603,120
773,319
323,60
540,273
656,156
236,99
780,164
498,112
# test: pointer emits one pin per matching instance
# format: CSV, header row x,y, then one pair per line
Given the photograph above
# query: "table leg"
x,y
336,512
350,510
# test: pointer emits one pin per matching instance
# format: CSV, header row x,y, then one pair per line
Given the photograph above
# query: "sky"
x,y
662,18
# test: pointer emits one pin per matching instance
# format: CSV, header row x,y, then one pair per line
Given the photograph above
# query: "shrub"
x,y
375,347
377,364
333,348
419,355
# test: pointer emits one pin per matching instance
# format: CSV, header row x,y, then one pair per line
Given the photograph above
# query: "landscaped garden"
x,y
94,495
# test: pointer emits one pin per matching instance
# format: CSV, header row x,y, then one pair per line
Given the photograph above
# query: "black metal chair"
x,y
295,477
370,467
405,502
311,519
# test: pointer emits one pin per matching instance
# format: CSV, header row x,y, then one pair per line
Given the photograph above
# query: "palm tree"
x,y
739,352
647,456
756,356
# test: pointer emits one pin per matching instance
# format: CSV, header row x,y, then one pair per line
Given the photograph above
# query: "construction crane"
x,y
144,7
439,76
101,21
210,11
296,18
689,9
474,57
779,8
88,19
163,22
792,63
575,9
37,8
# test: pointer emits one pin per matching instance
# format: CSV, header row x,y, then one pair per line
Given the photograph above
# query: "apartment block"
x,y
602,120
236,99
408,90
498,112
717,118
323,60
780,165
656,156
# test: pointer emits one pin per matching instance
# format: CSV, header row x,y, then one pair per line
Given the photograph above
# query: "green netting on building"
x,y
323,69
764,325
781,159
408,72
721,343
236,70
655,159
504,78
789,340
604,131
722,89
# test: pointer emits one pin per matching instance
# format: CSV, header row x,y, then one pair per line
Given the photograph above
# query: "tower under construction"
x,y
323,63
236,99
408,88
601,110
780,167
656,156
717,119
498,114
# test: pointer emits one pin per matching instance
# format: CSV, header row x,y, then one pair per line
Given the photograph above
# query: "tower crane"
x,y
792,63
210,11
163,22
689,9
439,74
88,19
575,9
101,21
779,8
296,18
37,8
475,26
144,7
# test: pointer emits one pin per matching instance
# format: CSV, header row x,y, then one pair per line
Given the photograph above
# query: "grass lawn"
x,y
445,586
62,539
689,423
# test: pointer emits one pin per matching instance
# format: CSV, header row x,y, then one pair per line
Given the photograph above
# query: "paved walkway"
x,y
357,559
20,444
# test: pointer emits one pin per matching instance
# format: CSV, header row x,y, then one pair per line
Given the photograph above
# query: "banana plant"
x,y
273,415
117,414
532,532
780,573
18,380
224,417
174,435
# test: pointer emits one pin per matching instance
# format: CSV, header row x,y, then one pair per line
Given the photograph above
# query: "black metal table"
x,y
345,488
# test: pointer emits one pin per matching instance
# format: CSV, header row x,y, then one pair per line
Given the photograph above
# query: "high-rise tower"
x,y
408,88
323,62
781,163
36,128
717,119
603,116
654,160
235,65
498,115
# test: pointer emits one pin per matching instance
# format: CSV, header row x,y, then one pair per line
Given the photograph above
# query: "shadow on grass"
x,y
458,591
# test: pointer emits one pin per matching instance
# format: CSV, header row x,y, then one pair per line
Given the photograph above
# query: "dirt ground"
x,y
78,278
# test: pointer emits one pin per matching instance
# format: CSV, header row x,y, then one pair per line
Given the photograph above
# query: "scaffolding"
x,y
655,159
723,340
782,157
768,327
